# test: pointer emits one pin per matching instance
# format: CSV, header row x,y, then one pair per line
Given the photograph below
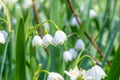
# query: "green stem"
x,y
93,62
7,14
74,33
39,25
45,71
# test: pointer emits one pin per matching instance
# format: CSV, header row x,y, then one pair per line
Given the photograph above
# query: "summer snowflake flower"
x,y
27,3
59,38
54,76
37,41
74,21
79,45
73,52
67,56
75,74
92,13
3,36
95,73
47,39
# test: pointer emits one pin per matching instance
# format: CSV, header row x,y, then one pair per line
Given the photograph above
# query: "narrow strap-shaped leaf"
x,y
115,68
20,53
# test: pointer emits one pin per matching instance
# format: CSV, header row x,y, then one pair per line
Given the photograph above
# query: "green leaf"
x,y
115,68
20,52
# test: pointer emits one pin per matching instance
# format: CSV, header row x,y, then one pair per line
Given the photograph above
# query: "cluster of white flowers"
x,y
59,38
95,73
3,36
71,54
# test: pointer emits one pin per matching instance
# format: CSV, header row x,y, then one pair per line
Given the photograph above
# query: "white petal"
x,y
74,21
54,76
67,56
92,13
47,39
59,37
3,36
79,45
37,41
73,52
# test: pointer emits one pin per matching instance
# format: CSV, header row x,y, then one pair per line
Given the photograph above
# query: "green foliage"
x,y
20,52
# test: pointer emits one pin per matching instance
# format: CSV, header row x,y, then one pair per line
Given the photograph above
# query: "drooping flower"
x,y
74,21
79,45
81,8
67,56
3,36
27,3
95,73
37,41
73,52
92,13
47,39
75,74
54,76
59,37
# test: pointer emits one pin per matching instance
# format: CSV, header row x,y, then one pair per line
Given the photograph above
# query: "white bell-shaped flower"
x,y
47,39
74,21
79,45
73,52
95,73
54,76
27,3
59,37
75,74
3,36
81,8
67,56
37,41
92,13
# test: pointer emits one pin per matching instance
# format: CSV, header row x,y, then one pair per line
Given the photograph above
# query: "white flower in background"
x,y
75,74
73,52
0,6
54,76
74,21
37,41
59,37
82,8
47,39
67,56
14,20
79,45
27,3
3,36
92,13
95,73
10,1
